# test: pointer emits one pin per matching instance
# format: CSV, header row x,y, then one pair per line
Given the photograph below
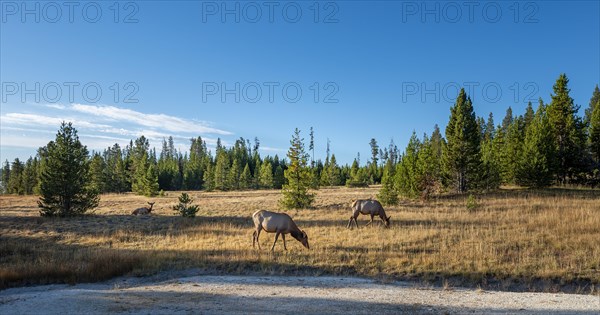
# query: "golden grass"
x,y
516,239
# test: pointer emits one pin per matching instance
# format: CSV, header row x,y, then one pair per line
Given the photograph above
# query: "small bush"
x,y
185,207
472,204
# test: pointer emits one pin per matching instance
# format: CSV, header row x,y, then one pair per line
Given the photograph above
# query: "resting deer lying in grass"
x,y
144,210
370,207
278,223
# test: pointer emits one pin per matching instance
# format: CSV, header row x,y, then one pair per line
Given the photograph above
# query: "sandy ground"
x,y
212,294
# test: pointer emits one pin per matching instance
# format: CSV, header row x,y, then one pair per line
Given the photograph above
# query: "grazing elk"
x,y
370,207
278,223
143,210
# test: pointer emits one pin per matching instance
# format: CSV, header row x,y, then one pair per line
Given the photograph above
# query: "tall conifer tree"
x,y
296,191
462,157
64,180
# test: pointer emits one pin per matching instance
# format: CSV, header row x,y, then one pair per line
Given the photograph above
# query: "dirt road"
x,y
284,295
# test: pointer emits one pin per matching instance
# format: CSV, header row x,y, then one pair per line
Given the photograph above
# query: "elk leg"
x,y
253,239
349,223
283,237
257,235
276,237
370,221
356,222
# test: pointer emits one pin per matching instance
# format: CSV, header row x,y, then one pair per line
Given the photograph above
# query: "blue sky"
x,y
381,69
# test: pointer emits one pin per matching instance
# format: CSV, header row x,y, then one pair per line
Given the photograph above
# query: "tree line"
x,y
548,145
138,168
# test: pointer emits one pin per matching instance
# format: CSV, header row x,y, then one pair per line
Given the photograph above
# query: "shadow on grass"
x,y
40,255
107,225
28,260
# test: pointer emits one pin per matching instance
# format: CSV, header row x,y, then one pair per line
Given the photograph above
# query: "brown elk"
x,y
278,223
368,207
143,210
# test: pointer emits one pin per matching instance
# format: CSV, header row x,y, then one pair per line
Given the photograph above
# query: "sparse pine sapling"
x,y
185,207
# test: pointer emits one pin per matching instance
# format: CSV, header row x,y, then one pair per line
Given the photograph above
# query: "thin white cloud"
x,y
113,139
102,126
22,141
56,106
93,142
45,131
41,120
159,121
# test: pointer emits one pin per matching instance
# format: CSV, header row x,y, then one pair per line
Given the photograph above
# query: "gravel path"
x,y
283,295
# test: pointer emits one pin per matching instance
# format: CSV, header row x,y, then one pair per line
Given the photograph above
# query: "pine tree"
x,y
152,179
315,174
535,168
357,176
437,144
333,171
590,110
407,173
209,177
266,176
528,116
193,171
427,171
137,153
30,176
278,177
490,177
325,174
169,168
246,178
489,130
5,177
311,147
233,179
115,172
64,176
295,191
97,173
15,181
387,194
373,169
462,157
185,207
510,152
568,130
508,119
221,170
146,177
595,133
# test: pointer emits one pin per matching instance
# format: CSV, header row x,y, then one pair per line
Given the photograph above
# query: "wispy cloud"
x,y
37,120
162,121
100,126
56,106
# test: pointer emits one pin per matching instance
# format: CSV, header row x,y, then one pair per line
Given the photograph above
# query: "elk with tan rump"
x,y
144,210
368,207
278,223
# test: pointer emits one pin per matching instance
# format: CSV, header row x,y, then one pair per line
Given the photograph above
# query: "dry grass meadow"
x,y
546,240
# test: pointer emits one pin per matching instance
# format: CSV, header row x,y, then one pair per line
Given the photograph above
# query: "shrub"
x,y
472,204
185,207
